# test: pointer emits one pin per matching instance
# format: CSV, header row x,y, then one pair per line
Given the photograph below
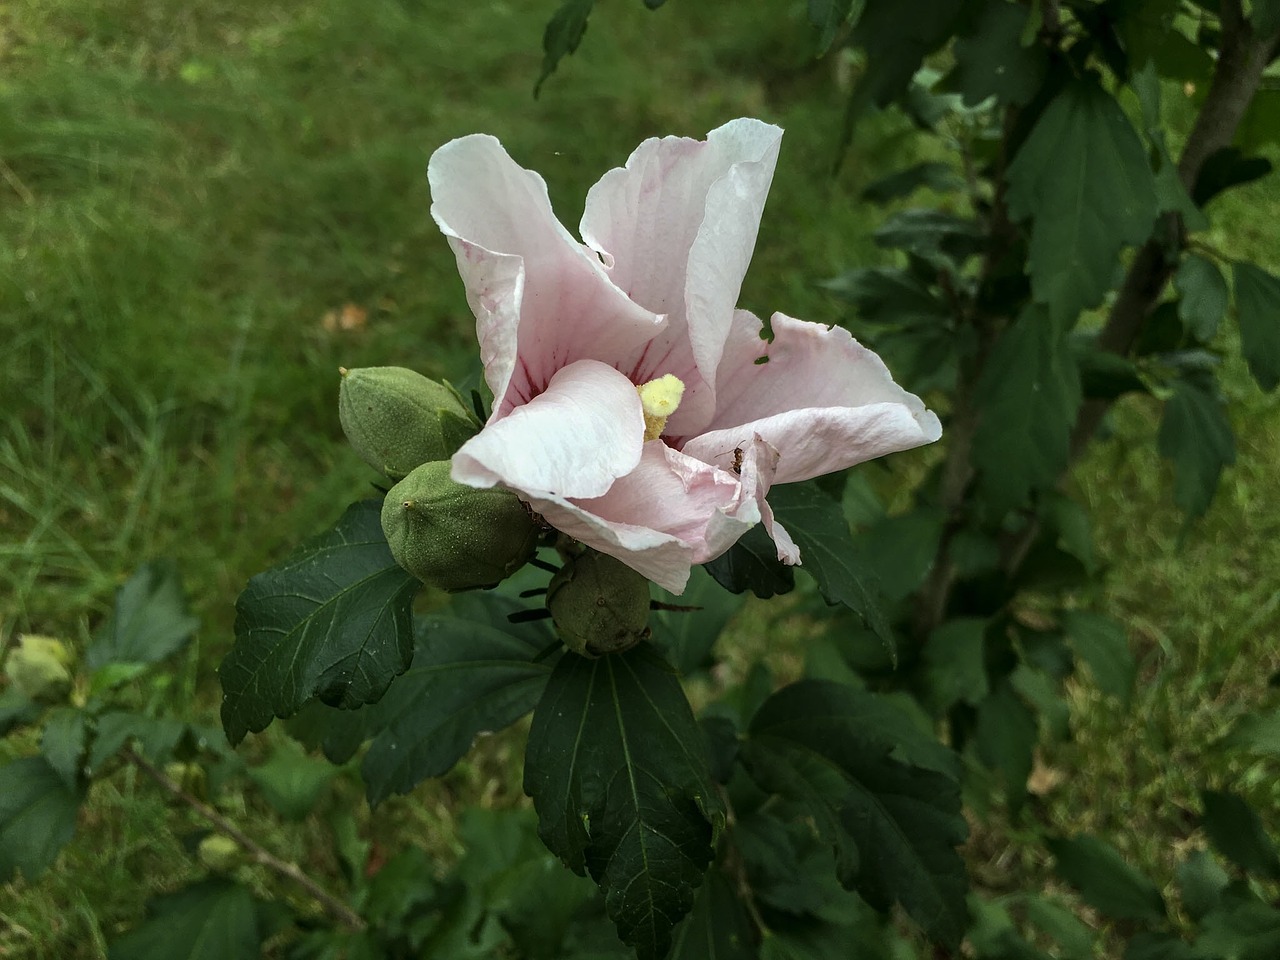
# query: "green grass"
x,y
186,190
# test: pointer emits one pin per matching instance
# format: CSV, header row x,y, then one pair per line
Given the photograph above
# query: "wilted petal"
x,y
676,227
574,440
822,400
537,294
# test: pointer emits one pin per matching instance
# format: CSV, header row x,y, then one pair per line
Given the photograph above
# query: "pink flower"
x,y
568,331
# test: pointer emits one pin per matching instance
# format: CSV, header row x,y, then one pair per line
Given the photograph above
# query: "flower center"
x,y
659,398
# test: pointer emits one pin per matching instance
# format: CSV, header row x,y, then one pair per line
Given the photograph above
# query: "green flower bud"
x,y
453,536
40,669
397,419
220,854
599,605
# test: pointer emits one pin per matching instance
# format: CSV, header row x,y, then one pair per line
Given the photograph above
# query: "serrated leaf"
x,y
1171,193
1243,931
717,928
827,17
752,564
902,183
1067,930
563,33
991,60
291,781
1104,646
1083,180
932,234
687,636
214,919
901,549
894,825
827,551
1028,397
1196,435
1203,296
1236,831
66,733
1005,737
1201,883
954,664
897,37
1105,881
148,622
333,621
157,736
889,295
1258,311
37,816
617,769
466,678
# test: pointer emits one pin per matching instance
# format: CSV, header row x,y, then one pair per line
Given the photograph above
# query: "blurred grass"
x,y
186,191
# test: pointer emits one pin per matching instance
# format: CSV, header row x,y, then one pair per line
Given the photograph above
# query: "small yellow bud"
x,y
659,398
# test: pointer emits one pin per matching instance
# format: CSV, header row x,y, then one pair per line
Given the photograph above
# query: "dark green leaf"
x,y
1238,834
687,636
1201,882
63,744
37,816
1105,881
1029,395
1006,738
1244,931
845,755
955,670
718,927
1171,193
563,34
1068,931
931,234
214,919
993,935
1159,946
1265,17
1103,374
901,550
1258,310
827,17
149,620
897,37
334,621
752,564
467,678
1196,435
1104,646
789,867
1256,733
1225,169
992,61
617,769
1260,126
15,710
291,781
1203,301
902,183
817,525
156,736
1083,180
889,295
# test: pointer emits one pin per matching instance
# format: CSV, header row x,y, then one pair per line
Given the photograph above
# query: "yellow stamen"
x,y
659,398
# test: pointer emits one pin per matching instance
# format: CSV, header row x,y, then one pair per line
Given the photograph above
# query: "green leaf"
x,y
687,636
954,665
718,927
1236,831
148,622
214,919
938,177
37,816
1256,733
752,564
291,781
1260,125
897,37
991,60
1227,168
15,710
1201,883
1258,310
334,621
901,549
932,234
1105,881
851,760
466,678
1203,300
1196,435
1070,933
1028,396
889,295
63,742
1005,738
1159,946
827,551
1083,180
1171,193
156,736
1104,646
1244,931
1265,17
562,35
617,769
827,17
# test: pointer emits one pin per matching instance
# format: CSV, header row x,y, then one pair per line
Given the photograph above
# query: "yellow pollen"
x,y
659,398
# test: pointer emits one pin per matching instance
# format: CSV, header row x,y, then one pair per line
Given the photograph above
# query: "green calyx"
x,y
40,669
397,419
599,605
453,536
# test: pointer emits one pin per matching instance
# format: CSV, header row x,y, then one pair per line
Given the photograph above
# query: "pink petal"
x,y
822,400
573,440
676,228
540,298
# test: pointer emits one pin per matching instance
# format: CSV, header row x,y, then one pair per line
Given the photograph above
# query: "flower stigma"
x,y
659,398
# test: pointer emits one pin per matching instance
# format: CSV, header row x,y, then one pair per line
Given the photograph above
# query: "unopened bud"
x,y
453,536
220,854
40,669
599,605
397,419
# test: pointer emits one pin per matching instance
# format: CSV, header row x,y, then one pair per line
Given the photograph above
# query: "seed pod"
x,y
220,854
397,419
599,605
453,536
40,669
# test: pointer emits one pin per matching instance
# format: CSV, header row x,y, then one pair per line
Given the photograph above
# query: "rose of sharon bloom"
x,y
635,408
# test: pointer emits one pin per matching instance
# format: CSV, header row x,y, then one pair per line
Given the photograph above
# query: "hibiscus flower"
x,y
635,408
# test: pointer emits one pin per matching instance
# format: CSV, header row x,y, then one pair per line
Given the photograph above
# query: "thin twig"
x,y
331,904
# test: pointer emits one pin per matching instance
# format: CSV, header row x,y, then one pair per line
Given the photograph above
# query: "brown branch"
x,y
331,904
